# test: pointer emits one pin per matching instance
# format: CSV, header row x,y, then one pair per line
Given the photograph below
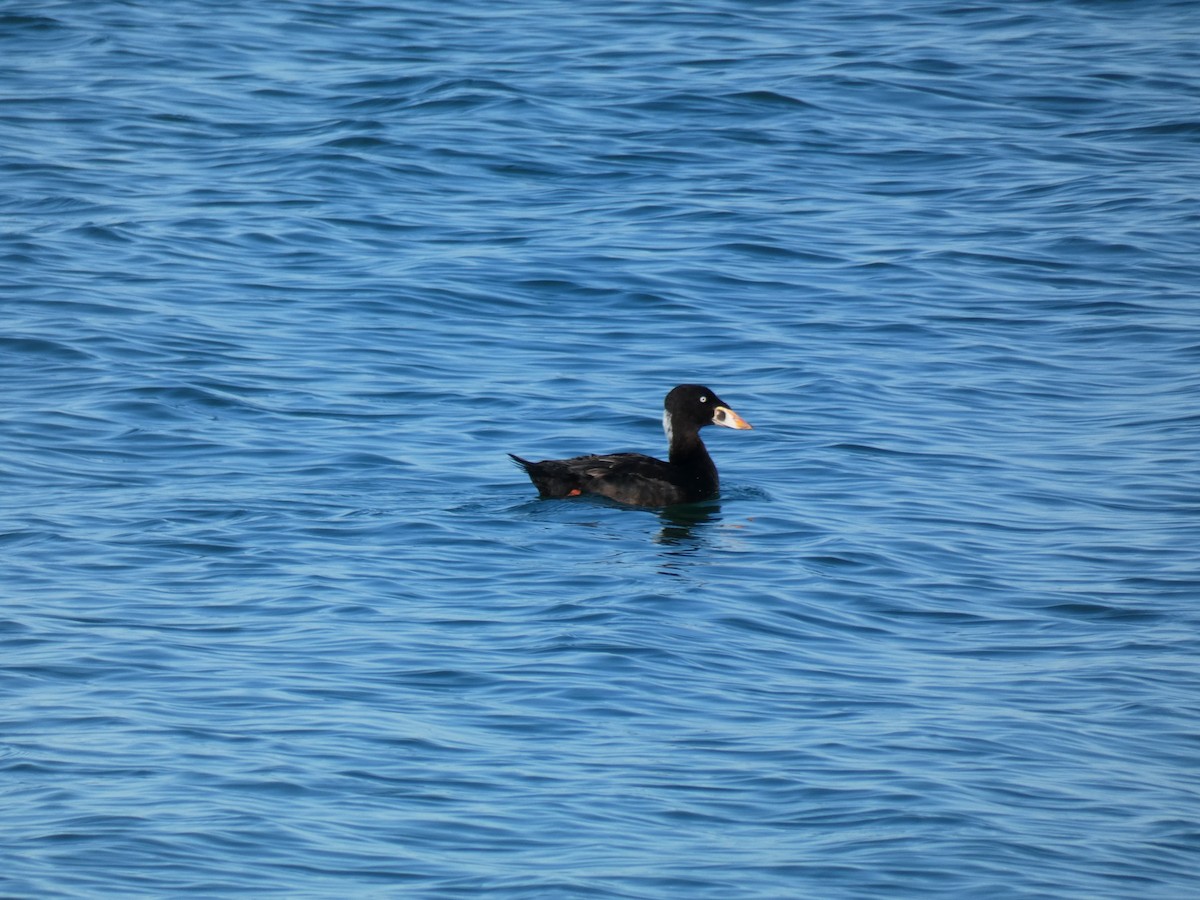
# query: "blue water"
x,y
284,281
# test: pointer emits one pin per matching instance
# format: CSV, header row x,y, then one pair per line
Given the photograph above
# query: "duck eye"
x,y
703,399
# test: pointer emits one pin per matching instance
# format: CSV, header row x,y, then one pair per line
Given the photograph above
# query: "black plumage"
x,y
688,474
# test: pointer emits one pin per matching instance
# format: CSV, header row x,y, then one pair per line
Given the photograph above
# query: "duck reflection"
x,y
684,533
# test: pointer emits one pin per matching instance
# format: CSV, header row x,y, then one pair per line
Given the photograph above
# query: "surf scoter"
x,y
688,476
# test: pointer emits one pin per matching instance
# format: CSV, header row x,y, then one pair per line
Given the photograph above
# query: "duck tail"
x,y
551,477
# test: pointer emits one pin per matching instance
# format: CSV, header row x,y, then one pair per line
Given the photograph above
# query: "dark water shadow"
x,y
684,534
682,524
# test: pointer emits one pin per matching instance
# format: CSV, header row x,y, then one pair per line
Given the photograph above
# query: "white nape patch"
x,y
667,426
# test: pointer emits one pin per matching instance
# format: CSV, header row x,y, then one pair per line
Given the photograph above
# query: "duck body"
x,y
687,476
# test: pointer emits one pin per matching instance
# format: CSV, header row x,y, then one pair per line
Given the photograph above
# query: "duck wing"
x,y
634,478
625,477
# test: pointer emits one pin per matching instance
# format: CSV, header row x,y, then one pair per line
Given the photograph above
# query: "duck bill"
x,y
725,416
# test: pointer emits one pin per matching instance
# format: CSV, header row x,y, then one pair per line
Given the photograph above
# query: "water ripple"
x,y
286,281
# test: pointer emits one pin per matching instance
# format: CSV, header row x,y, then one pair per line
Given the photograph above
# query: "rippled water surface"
x,y
282,283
